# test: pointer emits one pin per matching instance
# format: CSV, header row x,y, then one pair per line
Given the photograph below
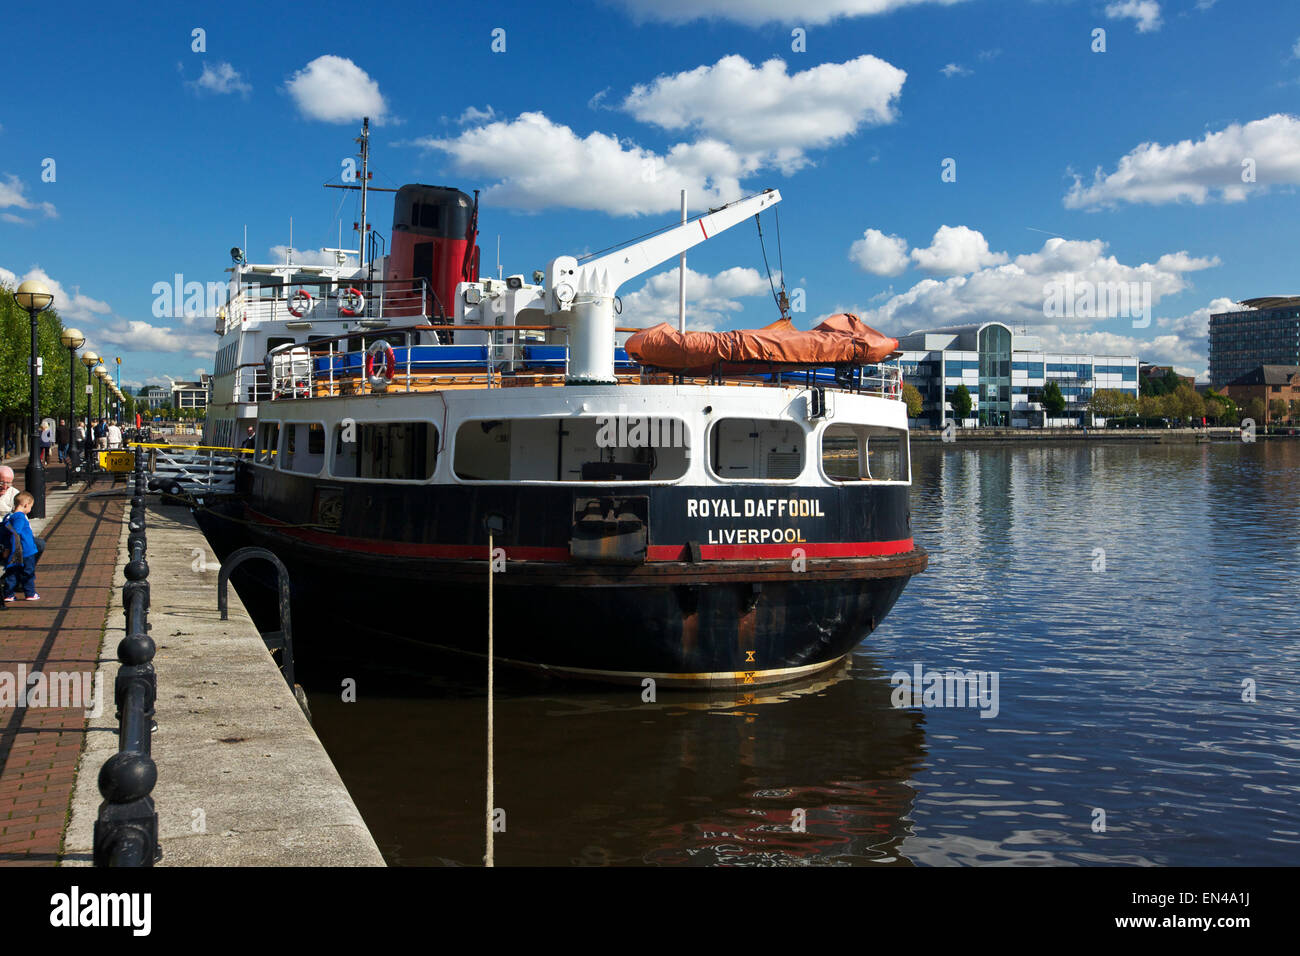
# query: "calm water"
x,y
1120,690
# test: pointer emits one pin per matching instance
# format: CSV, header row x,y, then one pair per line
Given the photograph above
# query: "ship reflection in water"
x,y
810,773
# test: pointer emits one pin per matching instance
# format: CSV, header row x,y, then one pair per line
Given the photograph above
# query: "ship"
x,y
434,452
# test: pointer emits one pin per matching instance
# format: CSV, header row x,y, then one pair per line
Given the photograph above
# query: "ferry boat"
x,y
695,508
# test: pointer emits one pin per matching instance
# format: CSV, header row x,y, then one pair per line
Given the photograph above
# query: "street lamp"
x,y
100,372
35,298
72,340
90,360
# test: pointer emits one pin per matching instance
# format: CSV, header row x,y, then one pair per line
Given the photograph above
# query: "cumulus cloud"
x,y
71,305
711,301
879,254
765,111
1216,166
1017,291
539,164
333,89
955,69
13,195
956,249
222,78
755,12
1145,12
139,336
306,257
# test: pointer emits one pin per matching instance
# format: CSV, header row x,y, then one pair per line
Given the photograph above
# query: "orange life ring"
x,y
381,380
355,302
302,300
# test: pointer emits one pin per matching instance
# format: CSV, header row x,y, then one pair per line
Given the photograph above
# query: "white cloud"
x,y
1211,167
1188,357
13,195
473,114
767,113
880,254
1145,12
955,69
711,301
539,164
72,306
956,249
306,257
139,336
335,90
755,12
1295,50
1014,292
986,55
222,78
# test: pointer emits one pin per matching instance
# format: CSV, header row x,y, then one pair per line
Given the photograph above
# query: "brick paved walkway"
x,y
39,746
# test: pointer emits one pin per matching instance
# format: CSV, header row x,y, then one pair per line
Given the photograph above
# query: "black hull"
x,y
723,624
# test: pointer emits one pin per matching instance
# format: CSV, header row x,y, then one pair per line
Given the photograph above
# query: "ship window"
x,y
864,453
388,451
268,438
304,448
756,450
604,448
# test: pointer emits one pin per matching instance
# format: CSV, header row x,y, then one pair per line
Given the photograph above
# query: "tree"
x,y
15,359
1255,409
1113,403
1053,400
1188,404
1277,408
913,400
961,403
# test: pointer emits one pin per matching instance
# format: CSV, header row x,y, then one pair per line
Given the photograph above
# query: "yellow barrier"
x,y
117,461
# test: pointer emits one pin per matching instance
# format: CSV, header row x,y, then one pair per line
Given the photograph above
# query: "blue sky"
x,y
1169,159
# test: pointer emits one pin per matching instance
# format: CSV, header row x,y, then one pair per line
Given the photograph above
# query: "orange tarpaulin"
x,y
842,339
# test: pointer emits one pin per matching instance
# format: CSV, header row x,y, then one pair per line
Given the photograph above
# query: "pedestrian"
x,y
101,435
249,439
11,441
20,562
114,435
47,442
7,491
61,439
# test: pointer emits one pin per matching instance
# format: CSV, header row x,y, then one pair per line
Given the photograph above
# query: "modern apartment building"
x,y
1264,331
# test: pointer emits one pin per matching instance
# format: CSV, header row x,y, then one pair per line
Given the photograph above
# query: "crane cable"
x,y
782,301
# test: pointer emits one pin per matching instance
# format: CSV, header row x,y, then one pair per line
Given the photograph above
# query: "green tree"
x,y
961,403
913,400
1113,403
1053,400
1255,409
1277,409
15,358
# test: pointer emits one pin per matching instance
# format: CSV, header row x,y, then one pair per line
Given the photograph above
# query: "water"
x,y
1120,693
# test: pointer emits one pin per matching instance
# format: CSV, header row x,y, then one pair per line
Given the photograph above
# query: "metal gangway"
x,y
195,469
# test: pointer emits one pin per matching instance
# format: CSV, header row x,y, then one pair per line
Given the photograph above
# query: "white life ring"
x,y
300,302
378,376
351,302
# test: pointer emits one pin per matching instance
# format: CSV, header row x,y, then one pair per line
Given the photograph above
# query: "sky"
x,y
1101,173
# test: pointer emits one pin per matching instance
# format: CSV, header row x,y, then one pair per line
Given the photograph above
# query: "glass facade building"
x,y
1005,375
1265,332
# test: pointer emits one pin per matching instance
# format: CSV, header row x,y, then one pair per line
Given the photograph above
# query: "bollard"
x,y
126,831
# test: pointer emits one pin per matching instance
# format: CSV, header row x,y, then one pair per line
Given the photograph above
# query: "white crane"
x,y
580,296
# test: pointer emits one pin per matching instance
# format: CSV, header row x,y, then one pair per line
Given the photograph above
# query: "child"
x,y
20,566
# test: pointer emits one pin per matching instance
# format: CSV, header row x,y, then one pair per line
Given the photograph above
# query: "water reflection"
x,y
1128,596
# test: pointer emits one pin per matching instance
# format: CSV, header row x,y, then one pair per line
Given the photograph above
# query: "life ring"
x,y
351,302
379,380
299,303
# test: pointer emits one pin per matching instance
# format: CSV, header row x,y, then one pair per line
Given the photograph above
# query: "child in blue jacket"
x,y
20,563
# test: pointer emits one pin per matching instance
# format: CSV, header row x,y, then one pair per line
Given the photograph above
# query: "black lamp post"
x,y
73,340
35,298
90,360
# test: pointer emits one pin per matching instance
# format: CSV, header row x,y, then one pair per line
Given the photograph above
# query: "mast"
x,y
364,140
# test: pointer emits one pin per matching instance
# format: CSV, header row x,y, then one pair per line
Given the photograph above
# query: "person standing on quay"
x,y
114,435
61,439
101,435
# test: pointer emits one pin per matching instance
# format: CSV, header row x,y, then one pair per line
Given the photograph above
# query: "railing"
x,y
126,831
385,299
196,469
332,367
